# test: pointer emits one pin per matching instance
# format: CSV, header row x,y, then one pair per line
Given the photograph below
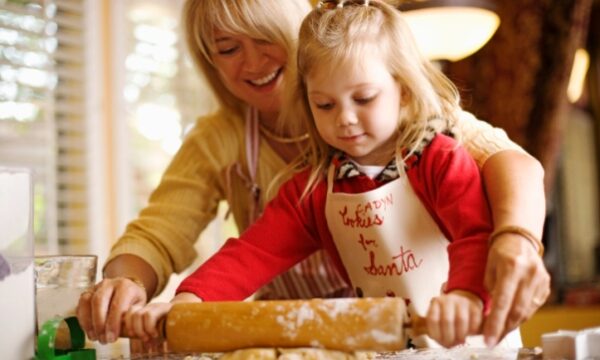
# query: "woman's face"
x,y
251,69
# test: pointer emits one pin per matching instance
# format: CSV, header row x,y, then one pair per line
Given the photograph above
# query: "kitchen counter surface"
x,y
458,353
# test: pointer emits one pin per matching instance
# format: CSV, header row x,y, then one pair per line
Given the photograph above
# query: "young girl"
x,y
397,204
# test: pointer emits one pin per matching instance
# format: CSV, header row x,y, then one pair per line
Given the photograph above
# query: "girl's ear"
x,y
405,95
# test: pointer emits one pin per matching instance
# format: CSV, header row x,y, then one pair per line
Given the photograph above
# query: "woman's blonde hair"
x,y
276,21
341,35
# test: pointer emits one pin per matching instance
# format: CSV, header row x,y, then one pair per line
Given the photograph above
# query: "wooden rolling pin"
x,y
376,324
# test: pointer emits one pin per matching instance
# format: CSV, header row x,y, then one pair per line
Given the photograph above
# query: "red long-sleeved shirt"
x,y
444,177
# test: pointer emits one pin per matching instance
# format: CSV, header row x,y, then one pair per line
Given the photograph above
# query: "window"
x,y
93,93
159,97
43,115
28,44
162,94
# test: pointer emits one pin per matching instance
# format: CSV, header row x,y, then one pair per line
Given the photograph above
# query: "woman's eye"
x,y
263,42
227,51
324,106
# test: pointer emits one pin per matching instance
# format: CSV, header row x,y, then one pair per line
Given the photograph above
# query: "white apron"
x,y
390,246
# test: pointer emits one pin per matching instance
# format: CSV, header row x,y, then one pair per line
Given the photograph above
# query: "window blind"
x,y
42,115
69,117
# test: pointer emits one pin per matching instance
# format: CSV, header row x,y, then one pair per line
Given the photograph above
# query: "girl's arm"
x,y
285,234
450,185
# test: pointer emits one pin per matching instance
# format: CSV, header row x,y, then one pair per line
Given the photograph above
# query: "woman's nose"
x,y
253,57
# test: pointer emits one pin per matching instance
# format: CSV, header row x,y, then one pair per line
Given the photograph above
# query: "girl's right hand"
x,y
453,316
142,321
101,309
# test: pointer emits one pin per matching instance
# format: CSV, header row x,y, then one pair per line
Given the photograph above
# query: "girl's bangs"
x,y
328,59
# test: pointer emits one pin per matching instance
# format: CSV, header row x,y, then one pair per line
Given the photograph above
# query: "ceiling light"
x,y
451,29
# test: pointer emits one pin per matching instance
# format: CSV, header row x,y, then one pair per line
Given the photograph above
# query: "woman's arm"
x,y
515,188
515,273
514,182
135,268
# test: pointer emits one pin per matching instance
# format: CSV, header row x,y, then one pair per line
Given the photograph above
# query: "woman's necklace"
x,y
281,139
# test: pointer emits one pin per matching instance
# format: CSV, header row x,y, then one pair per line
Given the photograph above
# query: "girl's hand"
x,y
142,321
101,309
453,316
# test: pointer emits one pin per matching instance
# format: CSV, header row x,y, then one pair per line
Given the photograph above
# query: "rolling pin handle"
x,y
162,328
418,325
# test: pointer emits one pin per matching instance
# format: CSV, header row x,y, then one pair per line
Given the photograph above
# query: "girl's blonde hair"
x,y
276,21
330,37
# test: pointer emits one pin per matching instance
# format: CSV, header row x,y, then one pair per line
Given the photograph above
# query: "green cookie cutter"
x,y
46,342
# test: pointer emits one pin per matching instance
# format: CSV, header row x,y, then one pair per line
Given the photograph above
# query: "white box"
x,y
572,345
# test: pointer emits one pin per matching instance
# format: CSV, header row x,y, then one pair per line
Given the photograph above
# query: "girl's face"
x,y
251,69
356,107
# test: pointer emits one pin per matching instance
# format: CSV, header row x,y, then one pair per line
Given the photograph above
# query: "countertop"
x,y
120,351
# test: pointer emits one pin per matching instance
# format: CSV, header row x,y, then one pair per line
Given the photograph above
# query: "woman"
x,y
244,48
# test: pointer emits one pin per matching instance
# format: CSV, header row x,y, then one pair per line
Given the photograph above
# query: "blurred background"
x,y
96,96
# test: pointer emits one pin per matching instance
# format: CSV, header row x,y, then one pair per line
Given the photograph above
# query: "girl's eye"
x,y
364,99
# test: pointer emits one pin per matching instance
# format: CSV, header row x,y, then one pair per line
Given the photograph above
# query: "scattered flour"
x,y
383,337
338,306
303,314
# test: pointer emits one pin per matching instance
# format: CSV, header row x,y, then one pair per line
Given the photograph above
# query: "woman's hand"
x,y
515,274
518,282
453,316
142,321
101,309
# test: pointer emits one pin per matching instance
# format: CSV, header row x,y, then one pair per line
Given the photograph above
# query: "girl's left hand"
x,y
453,316
142,321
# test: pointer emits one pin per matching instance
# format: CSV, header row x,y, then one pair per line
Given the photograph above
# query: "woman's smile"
x,y
269,79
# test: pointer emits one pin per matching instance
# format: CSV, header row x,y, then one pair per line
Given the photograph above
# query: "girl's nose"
x,y
346,117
